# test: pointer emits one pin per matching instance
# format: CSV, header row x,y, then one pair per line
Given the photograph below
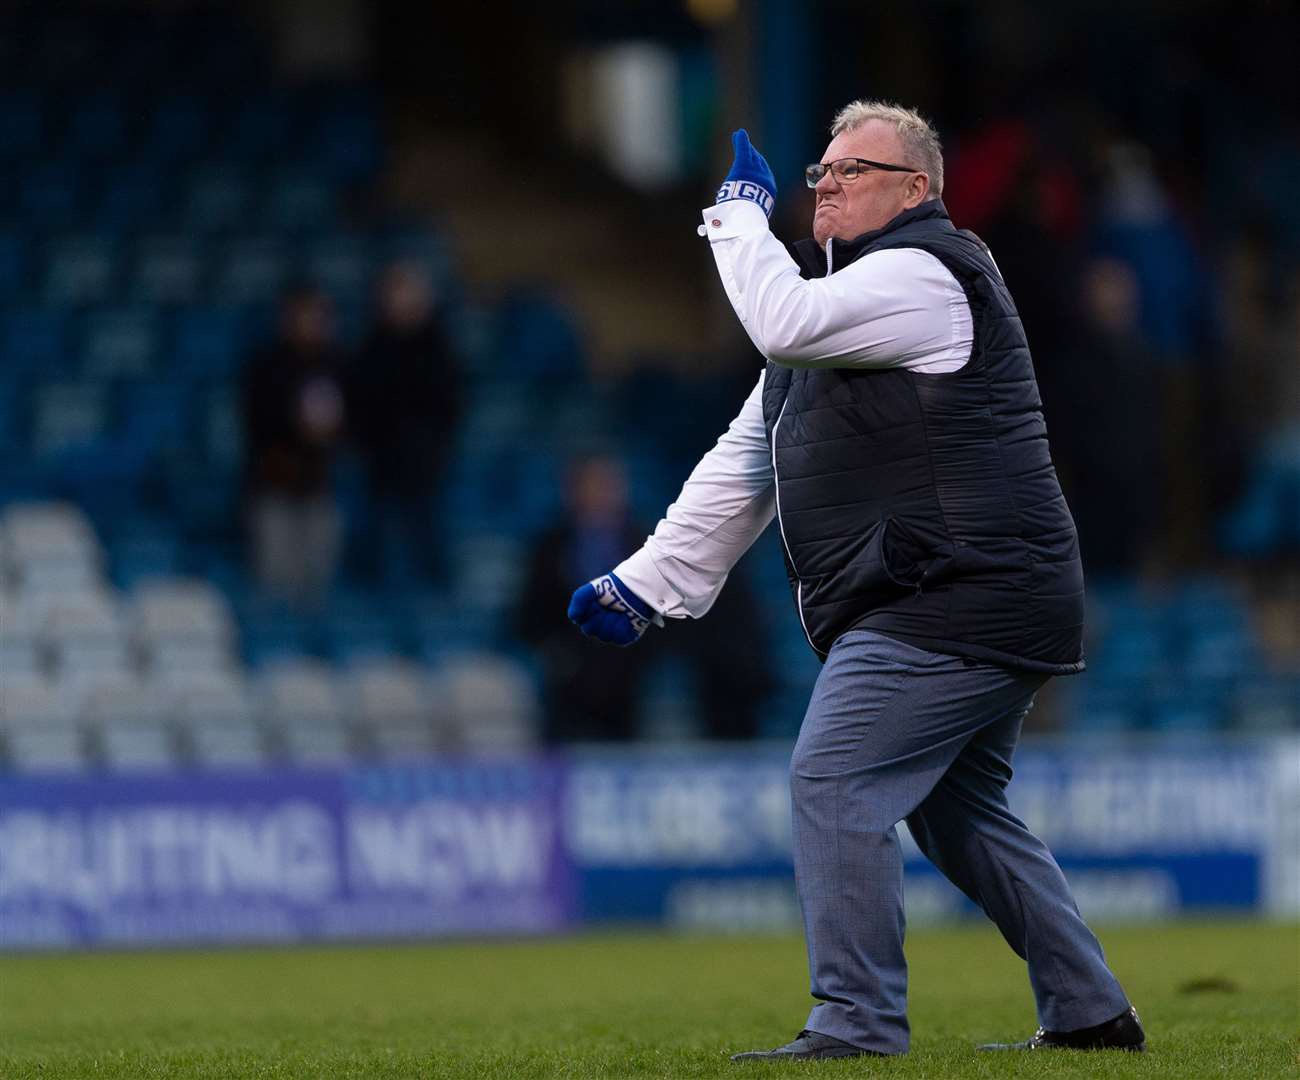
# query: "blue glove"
x,y
750,177
608,610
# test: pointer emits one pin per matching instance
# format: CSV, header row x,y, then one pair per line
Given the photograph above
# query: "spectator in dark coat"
x,y
405,403
293,411
591,691
1102,398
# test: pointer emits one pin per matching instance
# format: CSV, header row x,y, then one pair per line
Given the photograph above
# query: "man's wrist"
x,y
747,189
736,217
640,574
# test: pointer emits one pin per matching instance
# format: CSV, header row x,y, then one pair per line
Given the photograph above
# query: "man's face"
x,y
846,211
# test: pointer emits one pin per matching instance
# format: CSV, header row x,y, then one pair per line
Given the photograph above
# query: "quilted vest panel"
x,y
926,507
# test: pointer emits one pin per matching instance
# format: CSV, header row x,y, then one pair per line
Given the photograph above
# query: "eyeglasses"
x,y
846,170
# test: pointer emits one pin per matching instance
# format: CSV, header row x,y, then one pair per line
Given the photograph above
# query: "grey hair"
x,y
921,145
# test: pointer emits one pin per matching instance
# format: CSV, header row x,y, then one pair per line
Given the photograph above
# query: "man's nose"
x,y
827,183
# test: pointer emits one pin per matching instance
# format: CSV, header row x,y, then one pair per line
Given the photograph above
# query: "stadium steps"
x,y
586,245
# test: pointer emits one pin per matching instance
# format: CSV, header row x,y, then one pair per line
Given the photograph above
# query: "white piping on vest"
x,y
776,486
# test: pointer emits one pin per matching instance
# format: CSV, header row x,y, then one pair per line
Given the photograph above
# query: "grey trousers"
x,y
896,733
296,544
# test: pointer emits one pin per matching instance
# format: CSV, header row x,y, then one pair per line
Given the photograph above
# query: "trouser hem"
x,y
1083,1012
855,1037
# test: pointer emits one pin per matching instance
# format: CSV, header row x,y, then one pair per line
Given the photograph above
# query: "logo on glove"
x,y
608,595
746,189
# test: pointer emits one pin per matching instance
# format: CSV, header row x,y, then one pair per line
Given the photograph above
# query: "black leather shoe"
x,y
1124,1032
807,1046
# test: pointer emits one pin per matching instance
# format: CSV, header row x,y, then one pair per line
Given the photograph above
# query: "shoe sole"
x,y
761,1056
1132,1048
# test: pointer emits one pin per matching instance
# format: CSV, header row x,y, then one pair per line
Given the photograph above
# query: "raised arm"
x,y
893,308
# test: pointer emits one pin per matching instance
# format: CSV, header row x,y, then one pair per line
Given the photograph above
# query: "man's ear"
x,y
918,189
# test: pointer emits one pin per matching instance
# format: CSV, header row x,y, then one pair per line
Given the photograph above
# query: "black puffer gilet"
x,y
926,507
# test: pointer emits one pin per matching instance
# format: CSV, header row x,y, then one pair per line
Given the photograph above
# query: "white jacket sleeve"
x,y
723,507
895,308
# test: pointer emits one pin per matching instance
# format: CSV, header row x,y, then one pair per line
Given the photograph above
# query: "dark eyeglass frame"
x,y
813,178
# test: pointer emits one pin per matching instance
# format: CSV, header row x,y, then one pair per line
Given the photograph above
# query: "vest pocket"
x,y
902,558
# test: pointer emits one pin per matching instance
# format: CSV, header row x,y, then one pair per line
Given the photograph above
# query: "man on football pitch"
x,y
897,436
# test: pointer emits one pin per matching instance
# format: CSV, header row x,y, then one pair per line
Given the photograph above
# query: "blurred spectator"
x,y
1137,223
1022,197
591,690
729,654
1101,397
405,406
293,409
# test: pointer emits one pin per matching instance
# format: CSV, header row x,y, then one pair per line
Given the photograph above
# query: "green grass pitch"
x,y
1219,999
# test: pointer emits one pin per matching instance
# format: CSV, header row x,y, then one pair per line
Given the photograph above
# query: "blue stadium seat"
x,y
15,267
221,427
96,126
1266,702
438,632
209,342
219,197
1137,637
349,637
1179,707
297,200
270,635
50,195
67,416
132,197
252,270
1218,652
576,422
156,417
486,572
33,341
168,270
121,342
42,732
13,426
490,701
782,713
341,263
79,270
143,548
204,502
1098,705
499,483
1266,519
539,336
501,416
